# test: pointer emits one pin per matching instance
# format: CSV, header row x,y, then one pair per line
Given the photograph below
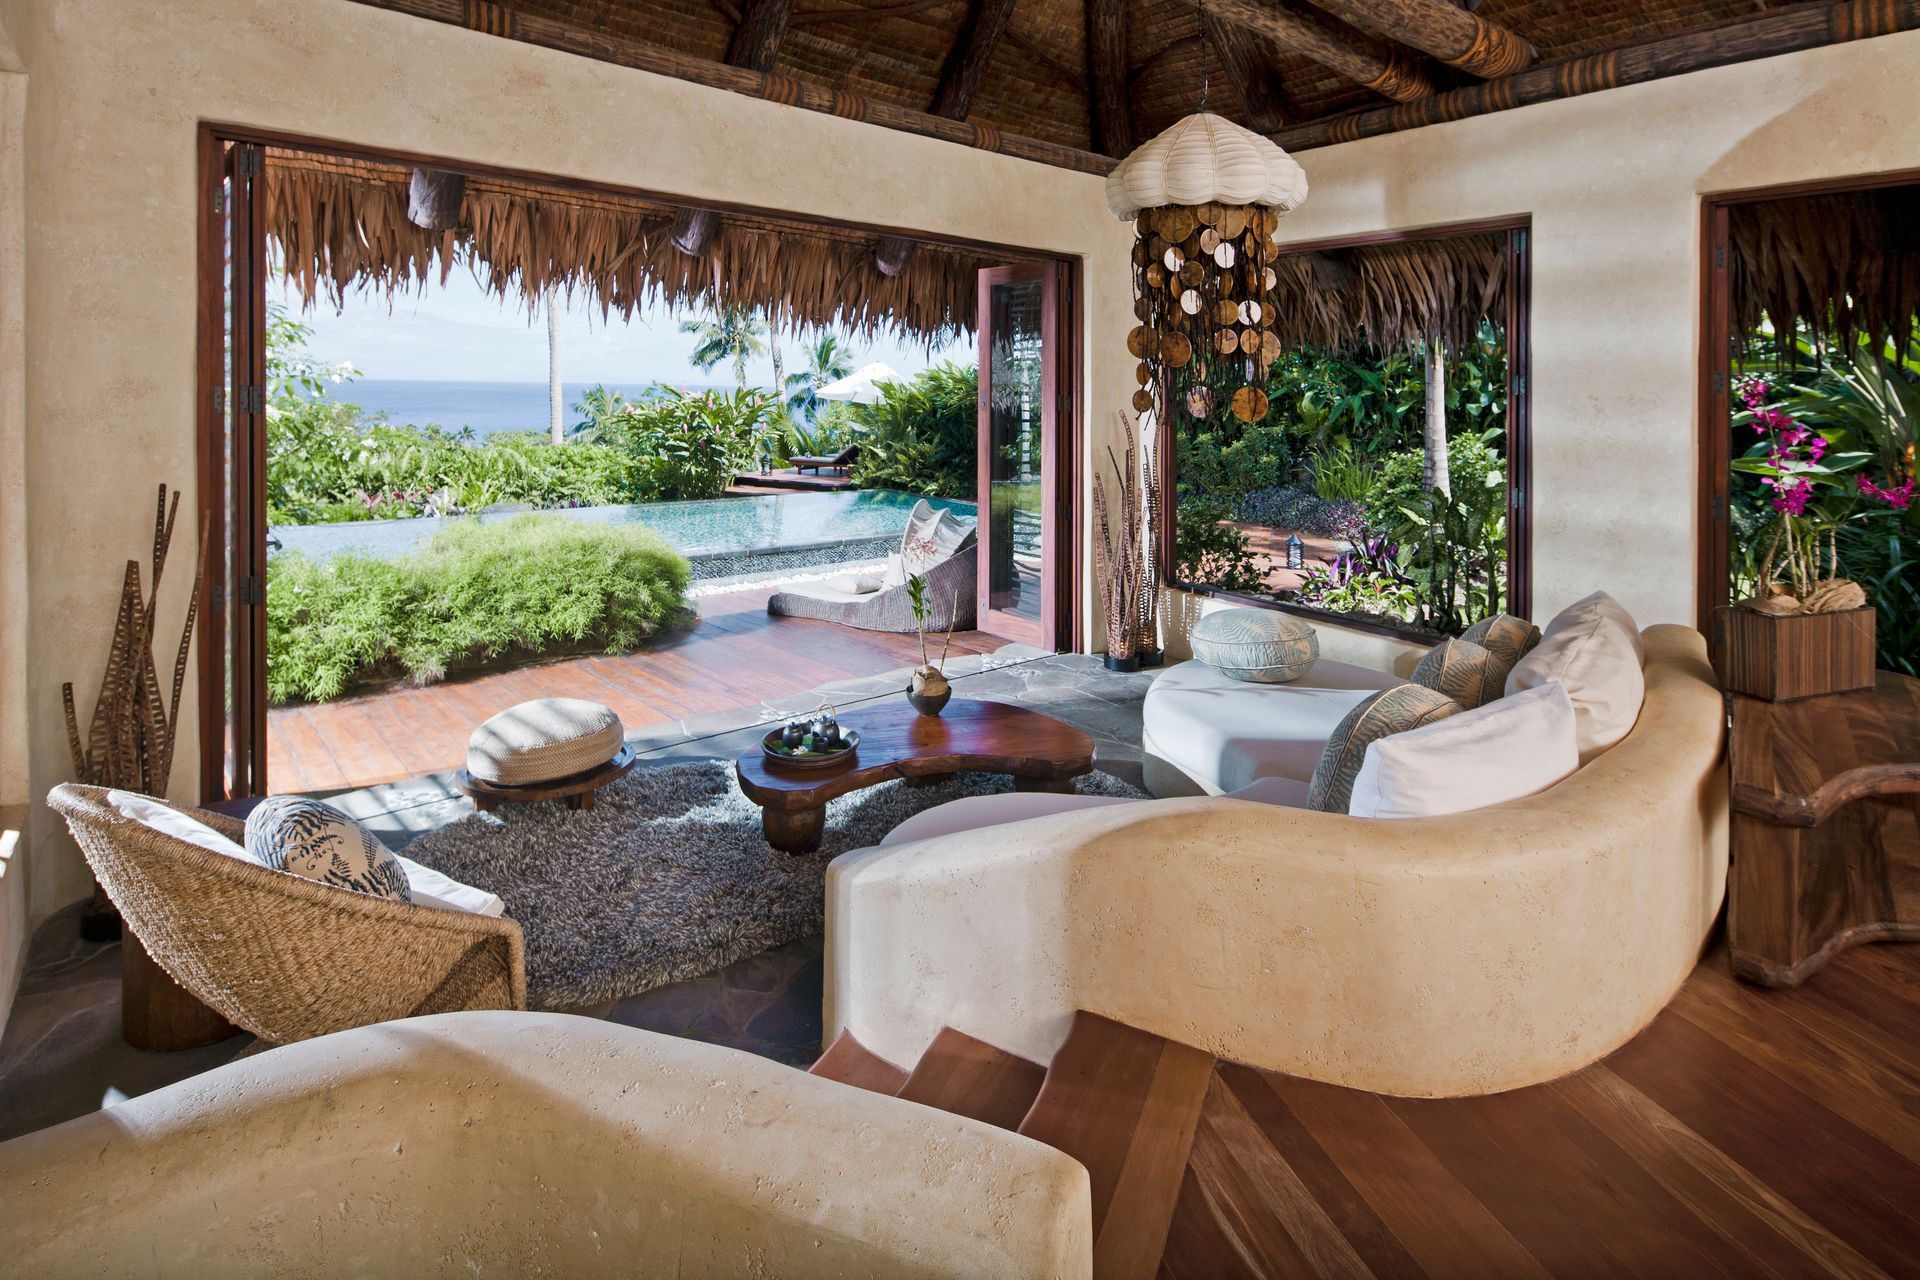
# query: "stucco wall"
x,y
118,91
1613,182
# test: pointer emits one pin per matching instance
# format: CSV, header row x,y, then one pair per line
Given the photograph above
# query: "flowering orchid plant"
x,y
1818,485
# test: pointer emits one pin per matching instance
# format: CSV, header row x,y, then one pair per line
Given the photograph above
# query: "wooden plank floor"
x,y
1744,1133
736,655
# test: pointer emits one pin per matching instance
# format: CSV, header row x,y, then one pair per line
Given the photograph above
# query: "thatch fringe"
x,y
1390,295
1847,263
340,226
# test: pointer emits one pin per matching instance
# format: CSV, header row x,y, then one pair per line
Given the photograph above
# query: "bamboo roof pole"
x,y
1360,58
1441,28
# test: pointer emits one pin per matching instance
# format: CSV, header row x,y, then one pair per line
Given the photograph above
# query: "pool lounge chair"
x,y
887,607
838,462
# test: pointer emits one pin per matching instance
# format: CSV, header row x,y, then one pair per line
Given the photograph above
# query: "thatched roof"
x,y
1390,295
1849,261
340,225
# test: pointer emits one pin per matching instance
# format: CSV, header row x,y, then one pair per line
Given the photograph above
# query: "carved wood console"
x,y
1826,828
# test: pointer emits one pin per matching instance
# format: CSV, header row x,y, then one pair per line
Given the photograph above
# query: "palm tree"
x,y
828,360
556,398
731,333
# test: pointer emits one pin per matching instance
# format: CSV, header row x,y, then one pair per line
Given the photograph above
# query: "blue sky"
x,y
460,333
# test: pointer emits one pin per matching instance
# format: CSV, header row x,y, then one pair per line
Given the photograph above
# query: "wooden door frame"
x,y
1713,554
1518,318
1059,431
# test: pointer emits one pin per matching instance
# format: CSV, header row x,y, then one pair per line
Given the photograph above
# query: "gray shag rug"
x,y
668,876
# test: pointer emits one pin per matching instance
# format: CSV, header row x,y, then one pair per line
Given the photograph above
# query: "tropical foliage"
x,y
921,437
828,361
473,594
731,335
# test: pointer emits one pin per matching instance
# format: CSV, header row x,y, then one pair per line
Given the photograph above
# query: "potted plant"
x,y
929,691
1806,630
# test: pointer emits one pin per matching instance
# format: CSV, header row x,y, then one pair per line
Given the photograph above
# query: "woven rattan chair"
x,y
284,957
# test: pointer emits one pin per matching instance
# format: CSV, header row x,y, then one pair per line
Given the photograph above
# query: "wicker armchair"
x,y
950,597
283,957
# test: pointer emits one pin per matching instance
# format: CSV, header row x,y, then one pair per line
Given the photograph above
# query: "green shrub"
x,y
1476,475
1339,472
921,437
681,444
1209,552
472,593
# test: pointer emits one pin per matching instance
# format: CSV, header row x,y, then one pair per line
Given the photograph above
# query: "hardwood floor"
x,y
1744,1133
737,655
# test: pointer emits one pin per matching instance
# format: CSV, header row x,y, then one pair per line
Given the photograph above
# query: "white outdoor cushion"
x,y
975,812
1226,733
442,892
1592,648
165,818
931,537
544,740
866,584
1262,646
1511,747
1287,793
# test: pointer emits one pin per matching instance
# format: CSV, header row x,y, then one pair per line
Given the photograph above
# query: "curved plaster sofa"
x,y
1429,957
532,1144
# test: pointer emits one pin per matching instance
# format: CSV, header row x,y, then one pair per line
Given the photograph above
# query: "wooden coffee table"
x,y
1042,754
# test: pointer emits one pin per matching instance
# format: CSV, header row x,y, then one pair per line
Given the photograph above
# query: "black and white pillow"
x,y
316,841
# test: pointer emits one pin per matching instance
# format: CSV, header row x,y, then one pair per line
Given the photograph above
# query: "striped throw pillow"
x,y
1463,671
1403,707
1506,637
1259,645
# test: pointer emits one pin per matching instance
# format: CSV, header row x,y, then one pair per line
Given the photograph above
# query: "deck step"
x,y
850,1062
1124,1103
972,1078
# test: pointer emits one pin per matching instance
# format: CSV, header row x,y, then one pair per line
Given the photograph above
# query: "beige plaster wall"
x,y
1613,181
109,166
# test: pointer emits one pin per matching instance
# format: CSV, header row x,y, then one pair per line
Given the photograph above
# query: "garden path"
x,y
736,655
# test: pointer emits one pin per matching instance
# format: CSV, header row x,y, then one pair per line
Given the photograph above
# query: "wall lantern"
x,y
1205,198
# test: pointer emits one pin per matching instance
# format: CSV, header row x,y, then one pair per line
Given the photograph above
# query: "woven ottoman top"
x,y
543,741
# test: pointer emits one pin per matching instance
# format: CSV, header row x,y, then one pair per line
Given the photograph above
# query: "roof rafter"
x,y
966,65
1359,57
758,35
1245,59
1110,106
1441,28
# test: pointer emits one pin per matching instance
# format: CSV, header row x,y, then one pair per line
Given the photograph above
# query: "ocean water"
x,y
487,407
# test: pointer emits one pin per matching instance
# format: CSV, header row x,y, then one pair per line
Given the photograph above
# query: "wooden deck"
x,y
737,655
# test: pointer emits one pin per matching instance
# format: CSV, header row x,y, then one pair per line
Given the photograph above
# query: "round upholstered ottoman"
x,y
1263,646
548,749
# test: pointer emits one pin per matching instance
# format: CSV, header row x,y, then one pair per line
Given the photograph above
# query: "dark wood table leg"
x,y
157,1014
794,830
929,779
1053,786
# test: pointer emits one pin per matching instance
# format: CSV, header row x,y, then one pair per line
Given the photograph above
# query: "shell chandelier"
x,y
1205,198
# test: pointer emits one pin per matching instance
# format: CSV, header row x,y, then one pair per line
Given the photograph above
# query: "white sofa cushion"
x,y
1225,733
1397,710
1508,748
975,812
442,892
164,818
932,536
1262,646
1593,649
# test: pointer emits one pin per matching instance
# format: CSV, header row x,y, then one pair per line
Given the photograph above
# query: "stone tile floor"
x,y
62,1055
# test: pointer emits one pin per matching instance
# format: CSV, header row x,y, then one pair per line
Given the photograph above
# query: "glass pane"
x,y
1014,443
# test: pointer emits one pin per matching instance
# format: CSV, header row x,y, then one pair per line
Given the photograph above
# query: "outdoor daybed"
x,y
880,601
1434,956
834,462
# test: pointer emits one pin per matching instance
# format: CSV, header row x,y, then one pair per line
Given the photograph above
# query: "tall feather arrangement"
x,y
1147,604
130,739
1119,547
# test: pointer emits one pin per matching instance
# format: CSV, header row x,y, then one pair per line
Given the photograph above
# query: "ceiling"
x,y
1037,75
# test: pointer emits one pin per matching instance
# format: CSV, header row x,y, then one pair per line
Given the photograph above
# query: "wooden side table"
x,y
1826,828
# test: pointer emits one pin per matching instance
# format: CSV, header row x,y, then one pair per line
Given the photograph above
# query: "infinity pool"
x,y
717,527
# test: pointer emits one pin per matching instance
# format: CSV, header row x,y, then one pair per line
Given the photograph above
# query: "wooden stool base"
x,y
578,791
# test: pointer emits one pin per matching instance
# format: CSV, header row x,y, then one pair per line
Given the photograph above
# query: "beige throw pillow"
x,y
1504,636
1395,710
1463,671
1509,748
1593,649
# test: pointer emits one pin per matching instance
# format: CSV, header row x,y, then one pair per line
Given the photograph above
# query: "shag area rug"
x,y
668,876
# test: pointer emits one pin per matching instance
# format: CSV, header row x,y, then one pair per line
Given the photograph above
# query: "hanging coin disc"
x,y
1209,240
1269,347
1192,274
1156,275
1190,302
1142,400
1139,307
1226,311
1199,401
1143,373
1223,255
1141,342
1141,257
1249,313
1142,225
1249,342
1176,222
1233,221
1249,404
1176,349
1173,257
1226,342
1269,278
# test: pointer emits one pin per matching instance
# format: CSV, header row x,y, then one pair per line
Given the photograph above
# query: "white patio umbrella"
x,y
861,386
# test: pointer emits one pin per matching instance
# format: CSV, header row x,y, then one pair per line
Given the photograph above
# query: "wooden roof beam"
x,y
1243,56
980,35
1442,28
1111,108
758,35
1359,57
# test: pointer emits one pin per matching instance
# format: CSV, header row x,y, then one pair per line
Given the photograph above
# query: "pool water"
x,y
709,527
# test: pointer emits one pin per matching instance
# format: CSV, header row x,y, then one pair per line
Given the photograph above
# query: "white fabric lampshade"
x,y
1206,158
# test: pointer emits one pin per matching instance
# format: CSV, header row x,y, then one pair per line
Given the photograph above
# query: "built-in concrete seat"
x,y
1206,733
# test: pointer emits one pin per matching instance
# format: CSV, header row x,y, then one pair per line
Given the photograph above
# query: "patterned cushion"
x,y
543,741
1504,636
931,536
1463,671
1261,645
312,839
1405,706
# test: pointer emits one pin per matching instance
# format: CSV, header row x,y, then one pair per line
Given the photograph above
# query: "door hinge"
x,y
1520,239
1519,384
1719,257
253,399
249,161
253,589
1519,499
